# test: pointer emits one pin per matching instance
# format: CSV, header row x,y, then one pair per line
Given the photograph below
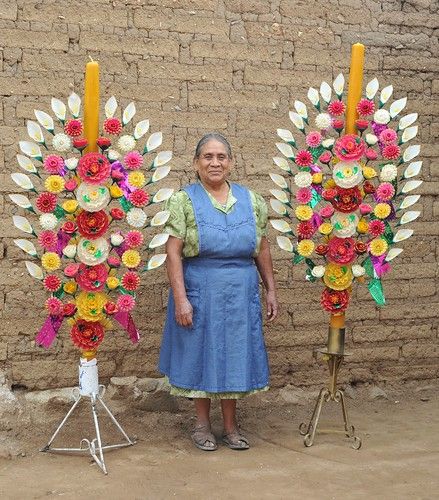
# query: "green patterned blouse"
x,y
182,225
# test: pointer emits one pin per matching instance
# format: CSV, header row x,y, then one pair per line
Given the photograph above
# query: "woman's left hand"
x,y
272,306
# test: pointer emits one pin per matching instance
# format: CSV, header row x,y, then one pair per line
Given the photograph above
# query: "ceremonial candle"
x,y
337,321
91,105
355,86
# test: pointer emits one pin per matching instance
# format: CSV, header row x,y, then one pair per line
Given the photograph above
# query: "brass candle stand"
x,y
334,354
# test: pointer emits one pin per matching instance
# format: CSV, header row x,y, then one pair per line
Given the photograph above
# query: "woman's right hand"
x,y
183,312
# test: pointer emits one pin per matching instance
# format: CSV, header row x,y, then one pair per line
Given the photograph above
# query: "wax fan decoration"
x,y
346,193
92,207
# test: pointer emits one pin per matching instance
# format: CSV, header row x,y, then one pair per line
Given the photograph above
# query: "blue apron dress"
x,y
224,350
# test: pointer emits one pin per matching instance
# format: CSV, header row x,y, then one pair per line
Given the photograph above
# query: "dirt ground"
x,y
399,458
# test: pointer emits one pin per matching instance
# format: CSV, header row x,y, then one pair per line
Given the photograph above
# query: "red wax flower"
x,y
362,124
92,278
73,128
347,200
365,107
368,187
336,108
360,247
71,185
92,224
335,301
303,158
305,229
371,154
350,147
117,213
329,194
46,202
391,152
321,249
113,261
110,308
376,228
94,168
139,198
69,227
87,334
51,283
112,126
325,157
133,239
71,270
69,309
130,281
80,143
48,240
103,142
341,250
337,124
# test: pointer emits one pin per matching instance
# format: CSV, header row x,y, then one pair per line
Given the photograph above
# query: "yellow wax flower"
x,y
50,261
136,179
305,248
90,305
317,178
131,258
378,246
112,282
369,172
330,183
337,277
382,210
303,212
325,228
70,206
70,287
362,226
115,191
54,184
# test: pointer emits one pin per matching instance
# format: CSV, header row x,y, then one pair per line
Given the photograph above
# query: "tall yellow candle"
x,y
91,105
355,86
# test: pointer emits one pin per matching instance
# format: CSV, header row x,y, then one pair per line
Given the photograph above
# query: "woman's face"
x,y
213,165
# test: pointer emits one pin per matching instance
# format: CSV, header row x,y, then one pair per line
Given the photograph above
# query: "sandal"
x,y
203,438
236,441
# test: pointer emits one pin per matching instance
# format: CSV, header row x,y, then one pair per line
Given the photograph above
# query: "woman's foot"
x,y
203,438
235,440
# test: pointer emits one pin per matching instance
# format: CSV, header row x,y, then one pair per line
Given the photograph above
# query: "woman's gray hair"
x,y
212,136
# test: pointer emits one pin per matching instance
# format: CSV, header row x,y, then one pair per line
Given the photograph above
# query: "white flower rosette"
x,y
126,143
48,222
347,174
92,198
116,239
344,225
303,179
71,163
93,252
62,143
136,217
323,121
382,116
358,270
388,173
318,271
69,251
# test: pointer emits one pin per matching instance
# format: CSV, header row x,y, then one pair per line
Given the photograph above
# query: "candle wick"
x,y
91,58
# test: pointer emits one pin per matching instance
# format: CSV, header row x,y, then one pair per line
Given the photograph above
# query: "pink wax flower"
x,y
54,306
371,154
113,261
53,164
112,126
362,124
71,270
326,211
365,107
336,108
376,228
303,195
125,303
303,158
350,147
133,239
337,124
365,209
325,157
130,281
73,128
48,240
139,198
388,136
133,160
385,191
313,139
391,152
71,185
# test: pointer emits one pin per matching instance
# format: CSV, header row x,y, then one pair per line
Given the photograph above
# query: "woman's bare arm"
x,y
264,264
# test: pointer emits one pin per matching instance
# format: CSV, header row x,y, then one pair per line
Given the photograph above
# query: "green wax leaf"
x,y
376,291
368,266
125,204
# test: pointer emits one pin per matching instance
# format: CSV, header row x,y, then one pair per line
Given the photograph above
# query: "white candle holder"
x,y
89,388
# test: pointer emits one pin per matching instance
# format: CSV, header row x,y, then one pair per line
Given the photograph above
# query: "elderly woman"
x,y
213,347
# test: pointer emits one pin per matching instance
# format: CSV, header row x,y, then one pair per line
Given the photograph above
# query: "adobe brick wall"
x,y
235,66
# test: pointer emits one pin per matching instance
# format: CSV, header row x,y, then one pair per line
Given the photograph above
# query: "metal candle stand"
x,y
335,354
90,388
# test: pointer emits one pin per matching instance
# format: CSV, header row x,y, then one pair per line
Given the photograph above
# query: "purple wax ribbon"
x,y
127,322
380,265
316,220
315,169
121,249
63,240
48,331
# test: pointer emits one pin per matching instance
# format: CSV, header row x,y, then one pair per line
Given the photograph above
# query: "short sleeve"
x,y
176,224
261,213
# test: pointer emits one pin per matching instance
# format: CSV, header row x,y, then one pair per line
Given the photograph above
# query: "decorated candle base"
x,y
89,388
334,354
